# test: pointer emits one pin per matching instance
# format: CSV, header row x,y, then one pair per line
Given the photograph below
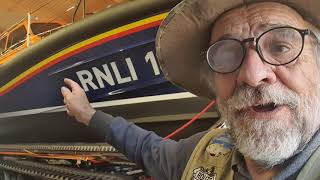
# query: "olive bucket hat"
x,y
185,34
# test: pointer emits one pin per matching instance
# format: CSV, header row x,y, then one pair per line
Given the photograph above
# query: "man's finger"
x,y
65,91
69,113
65,101
72,84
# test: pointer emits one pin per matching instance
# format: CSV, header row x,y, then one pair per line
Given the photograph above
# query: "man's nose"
x,y
254,71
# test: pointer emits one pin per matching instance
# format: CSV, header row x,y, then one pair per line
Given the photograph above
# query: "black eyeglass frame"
x,y
302,32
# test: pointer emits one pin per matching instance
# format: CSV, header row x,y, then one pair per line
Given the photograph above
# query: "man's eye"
x,y
279,48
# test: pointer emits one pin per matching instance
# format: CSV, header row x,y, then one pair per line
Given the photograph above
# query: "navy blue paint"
x,y
43,90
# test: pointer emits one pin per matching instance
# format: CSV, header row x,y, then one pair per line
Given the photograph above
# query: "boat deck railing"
x,y
26,42
10,50
20,43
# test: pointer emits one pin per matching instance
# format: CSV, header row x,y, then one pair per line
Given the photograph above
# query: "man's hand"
x,y
76,102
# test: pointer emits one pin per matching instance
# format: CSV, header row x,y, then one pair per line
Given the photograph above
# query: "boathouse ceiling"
x,y
13,11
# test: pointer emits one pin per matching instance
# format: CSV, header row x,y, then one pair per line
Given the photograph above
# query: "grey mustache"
x,y
246,96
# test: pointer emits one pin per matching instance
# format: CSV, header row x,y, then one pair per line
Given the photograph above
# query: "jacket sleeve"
x,y
162,159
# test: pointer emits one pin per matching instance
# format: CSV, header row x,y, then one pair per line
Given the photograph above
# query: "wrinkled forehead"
x,y
252,19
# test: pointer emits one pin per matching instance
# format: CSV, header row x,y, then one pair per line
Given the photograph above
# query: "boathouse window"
x,y
16,37
38,28
3,44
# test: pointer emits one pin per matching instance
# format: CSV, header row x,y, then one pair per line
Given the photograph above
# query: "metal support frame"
x,y
84,9
28,30
76,10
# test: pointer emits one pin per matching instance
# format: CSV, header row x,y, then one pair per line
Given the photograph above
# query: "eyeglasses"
x,y
277,46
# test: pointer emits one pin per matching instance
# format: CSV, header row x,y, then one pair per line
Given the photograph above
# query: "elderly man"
x,y
261,60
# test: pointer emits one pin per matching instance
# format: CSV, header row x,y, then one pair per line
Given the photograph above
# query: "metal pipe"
x,y
75,11
84,9
28,30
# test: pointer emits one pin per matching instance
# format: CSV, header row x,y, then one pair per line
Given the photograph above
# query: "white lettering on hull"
x,y
111,75
131,69
86,78
106,76
150,57
120,79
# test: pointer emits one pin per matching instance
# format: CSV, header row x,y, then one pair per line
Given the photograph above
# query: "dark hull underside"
x,y
163,117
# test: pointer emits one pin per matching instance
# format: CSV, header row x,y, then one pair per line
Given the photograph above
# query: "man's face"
x,y
270,109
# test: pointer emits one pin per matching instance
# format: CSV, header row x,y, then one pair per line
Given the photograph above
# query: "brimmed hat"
x,y
185,33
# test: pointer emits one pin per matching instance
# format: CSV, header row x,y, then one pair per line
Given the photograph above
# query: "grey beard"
x,y
271,142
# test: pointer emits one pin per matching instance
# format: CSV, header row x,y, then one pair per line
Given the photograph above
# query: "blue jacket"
x,y
162,159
